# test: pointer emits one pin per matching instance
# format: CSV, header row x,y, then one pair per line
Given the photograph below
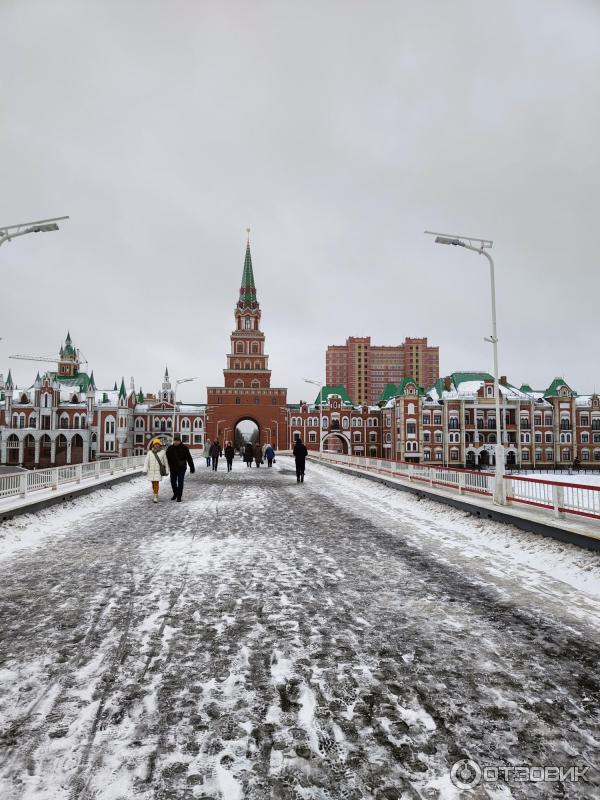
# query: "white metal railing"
x,y
560,498
23,483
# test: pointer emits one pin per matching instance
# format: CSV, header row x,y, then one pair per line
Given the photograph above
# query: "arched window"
x,y
255,384
247,323
411,408
109,425
83,420
139,423
237,365
325,423
76,421
64,420
24,398
239,383
257,365
247,364
239,347
185,424
197,424
255,347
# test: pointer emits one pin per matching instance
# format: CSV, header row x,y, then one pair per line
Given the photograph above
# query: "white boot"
x,y
155,498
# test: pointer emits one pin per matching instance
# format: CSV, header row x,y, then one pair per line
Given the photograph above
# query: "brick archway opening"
x,y
336,443
245,430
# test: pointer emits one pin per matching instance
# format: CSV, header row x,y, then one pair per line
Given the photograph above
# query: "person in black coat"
x,y
300,453
229,454
215,452
178,458
248,454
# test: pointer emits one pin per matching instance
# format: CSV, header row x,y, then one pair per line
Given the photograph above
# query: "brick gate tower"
x,y
247,393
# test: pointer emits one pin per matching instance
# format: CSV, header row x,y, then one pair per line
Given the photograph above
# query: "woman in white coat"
x,y
155,458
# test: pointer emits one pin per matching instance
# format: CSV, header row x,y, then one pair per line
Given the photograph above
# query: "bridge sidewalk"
x,y
583,532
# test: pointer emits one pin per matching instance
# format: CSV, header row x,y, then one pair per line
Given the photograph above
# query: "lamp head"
x,y
448,240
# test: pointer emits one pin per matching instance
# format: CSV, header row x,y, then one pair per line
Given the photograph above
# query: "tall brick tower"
x,y
247,393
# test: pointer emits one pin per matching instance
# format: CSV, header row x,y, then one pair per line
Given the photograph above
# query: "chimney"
x,y
448,384
503,380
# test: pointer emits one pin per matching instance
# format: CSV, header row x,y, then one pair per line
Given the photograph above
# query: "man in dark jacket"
x,y
229,454
248,454
178,458
300,453
215,452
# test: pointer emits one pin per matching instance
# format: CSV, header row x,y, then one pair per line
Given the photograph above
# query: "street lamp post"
x,y
276,423
8,232
321,387
481,247
177,382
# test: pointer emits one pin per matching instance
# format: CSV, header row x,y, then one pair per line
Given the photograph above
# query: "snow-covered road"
x,y
264,639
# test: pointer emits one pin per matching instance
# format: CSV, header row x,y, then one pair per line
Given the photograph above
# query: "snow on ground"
x,y
264,639
31,529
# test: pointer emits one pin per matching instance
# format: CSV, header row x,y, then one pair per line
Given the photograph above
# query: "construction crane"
x,y
54,360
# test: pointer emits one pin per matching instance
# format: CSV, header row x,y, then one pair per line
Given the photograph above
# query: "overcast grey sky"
x,y
338,131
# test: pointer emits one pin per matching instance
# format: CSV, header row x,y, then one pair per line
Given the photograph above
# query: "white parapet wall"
x,y
27,490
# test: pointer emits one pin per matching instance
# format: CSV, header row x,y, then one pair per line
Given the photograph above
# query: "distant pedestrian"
x,y
215,452
206,451
179,457
258,456
229,454
300,453
155,467
270,455
248,454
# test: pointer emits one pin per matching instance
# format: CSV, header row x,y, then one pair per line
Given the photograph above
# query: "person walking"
x,y
215,452
229,455
258,456
270,455
206,452
248,454
178,457
300,453
155,467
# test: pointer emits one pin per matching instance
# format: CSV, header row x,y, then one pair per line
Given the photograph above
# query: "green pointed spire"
x,y
115,387
9,381
248,290
37,377
122,390
166,373
91,381
140,397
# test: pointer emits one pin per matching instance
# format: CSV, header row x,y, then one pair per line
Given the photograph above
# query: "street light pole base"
x,y
499,485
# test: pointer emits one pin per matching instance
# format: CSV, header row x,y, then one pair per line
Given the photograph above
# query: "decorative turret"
x,y
122,390
166,392
9,381
68,362
140,397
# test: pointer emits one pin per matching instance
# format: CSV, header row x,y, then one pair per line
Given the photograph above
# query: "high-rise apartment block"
x,y
365,369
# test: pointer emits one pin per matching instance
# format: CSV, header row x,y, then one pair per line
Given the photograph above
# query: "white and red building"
x,y
63,418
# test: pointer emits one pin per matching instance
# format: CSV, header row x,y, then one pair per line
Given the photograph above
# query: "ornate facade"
x,y
63,418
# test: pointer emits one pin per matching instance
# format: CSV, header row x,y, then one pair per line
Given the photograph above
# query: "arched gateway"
x,y
247,393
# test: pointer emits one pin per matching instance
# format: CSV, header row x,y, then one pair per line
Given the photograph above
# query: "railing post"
x,y
97,470
23,484
112,466
55,478
461,482
430,475
558,498
411,470
78,469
